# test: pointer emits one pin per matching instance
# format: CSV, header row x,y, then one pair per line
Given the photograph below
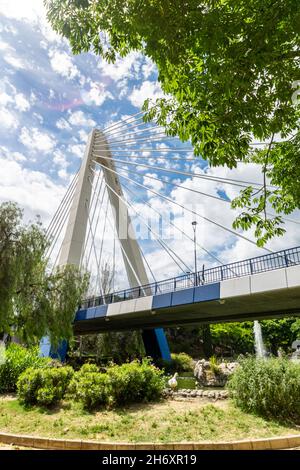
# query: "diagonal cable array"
x,y
133,146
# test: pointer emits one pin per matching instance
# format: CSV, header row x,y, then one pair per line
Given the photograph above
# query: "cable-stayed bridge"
x,y
125,169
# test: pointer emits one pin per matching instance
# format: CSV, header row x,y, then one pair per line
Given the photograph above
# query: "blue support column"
x,y
47,350
156,344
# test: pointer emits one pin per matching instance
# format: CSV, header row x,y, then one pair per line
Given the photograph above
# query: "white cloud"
x,y
83,135
127,67
33,190
8,120
34,139
11,57
148,68
62,64
14,61
21,102
63,124
78,118
10,98
96,95
60,159
152,184
5,99
12,156
4,46
147,90
32,12
77,150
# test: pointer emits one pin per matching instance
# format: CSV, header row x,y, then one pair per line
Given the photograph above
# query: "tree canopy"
x,y
34,300
229,71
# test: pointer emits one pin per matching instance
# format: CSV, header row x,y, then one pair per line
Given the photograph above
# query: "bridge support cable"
x,y
148,265
157,237
95,253
227,229
269,214
215,258
129,262
140,149
135,131
131,125
99,272
218,198
95,200
87,261
61,205
114,261
121,122
61,214
114,143
168,250
137,279
217,179
60,223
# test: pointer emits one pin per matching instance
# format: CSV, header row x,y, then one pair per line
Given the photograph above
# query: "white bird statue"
x,y
173,382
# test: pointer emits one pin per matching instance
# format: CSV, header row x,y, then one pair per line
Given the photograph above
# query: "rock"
x,y
193,393
213,377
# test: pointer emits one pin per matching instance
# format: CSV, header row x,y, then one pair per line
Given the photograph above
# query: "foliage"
x,y
269,387
214,366
235,338
90,387
116,347
279,333
228,73
135,382
180,362
34,302
131,382
45,386
17,360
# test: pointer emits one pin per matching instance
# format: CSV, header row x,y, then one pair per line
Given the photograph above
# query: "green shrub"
x,y
17,359
180,362
135,382
90,387
44,386
214,366
269,387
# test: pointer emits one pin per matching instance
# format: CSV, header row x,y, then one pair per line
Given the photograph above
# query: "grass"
x,y
167,421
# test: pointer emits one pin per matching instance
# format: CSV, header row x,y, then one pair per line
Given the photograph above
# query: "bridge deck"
x,y
262,287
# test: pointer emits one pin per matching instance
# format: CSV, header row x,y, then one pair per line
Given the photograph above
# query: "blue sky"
x,y
50,100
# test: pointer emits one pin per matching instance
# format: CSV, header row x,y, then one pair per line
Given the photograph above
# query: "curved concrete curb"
x,y
63,444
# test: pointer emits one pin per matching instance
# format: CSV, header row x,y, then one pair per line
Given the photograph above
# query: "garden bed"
x,y
166,421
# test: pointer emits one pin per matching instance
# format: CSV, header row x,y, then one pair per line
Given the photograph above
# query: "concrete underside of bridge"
x,y
271,304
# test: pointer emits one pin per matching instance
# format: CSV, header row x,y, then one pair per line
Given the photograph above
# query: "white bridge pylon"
x,y
97,150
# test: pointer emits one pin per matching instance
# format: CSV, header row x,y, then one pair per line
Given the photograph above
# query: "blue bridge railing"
x,y
260,264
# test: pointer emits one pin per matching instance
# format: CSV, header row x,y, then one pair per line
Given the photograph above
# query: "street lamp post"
x,y
194,224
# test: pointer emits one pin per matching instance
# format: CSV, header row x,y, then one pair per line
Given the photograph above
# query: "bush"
x,y
269,387
90,387
180,362
44,386
121,384
17,360
135,382
214,366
